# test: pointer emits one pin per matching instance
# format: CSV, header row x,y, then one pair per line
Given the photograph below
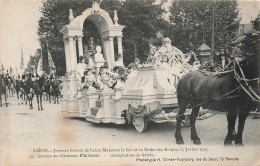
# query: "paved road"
x,y
23,129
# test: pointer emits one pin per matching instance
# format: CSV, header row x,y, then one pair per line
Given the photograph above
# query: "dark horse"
x,y
3,89
38,90
55,90
46,89
233,92
18,87
10,86
29,91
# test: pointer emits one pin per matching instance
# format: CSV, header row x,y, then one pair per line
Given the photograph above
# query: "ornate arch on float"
x,y
73,33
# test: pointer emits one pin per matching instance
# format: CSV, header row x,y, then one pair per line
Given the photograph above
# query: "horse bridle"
x,y
247,88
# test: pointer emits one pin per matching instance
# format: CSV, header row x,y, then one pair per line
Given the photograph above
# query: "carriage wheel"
x,y
140,124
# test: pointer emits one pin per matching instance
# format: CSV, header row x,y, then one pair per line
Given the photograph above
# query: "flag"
x,y
2,67
51,64
11,70
22,60
40,65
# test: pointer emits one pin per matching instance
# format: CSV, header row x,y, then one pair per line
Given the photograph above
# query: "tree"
x,y
142,19
250,43
192,22
33,61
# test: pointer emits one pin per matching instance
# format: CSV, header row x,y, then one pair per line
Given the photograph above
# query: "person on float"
x,y
81,67
102,72
170,74
137,63
88,74
122,73
119,61
113,77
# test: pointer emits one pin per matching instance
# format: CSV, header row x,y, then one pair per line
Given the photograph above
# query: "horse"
x,y
17,87
38,90
29,91
55,90
10,86
46,89
233,91
3,89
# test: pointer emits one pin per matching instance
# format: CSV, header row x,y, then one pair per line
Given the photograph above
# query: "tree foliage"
x,y
33,61
251,42
142,18
192,23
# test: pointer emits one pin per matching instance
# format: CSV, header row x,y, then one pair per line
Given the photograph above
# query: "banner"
x,y
51,64
40,66
22,61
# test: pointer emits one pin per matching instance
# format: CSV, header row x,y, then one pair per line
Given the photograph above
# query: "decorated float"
x,y
148,92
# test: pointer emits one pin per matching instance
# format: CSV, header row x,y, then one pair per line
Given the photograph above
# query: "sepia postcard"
x,y
129,82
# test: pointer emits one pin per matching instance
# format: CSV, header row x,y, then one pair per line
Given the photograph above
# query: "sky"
x,y
19,22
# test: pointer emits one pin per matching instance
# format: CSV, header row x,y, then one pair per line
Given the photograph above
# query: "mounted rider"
x,y
31,78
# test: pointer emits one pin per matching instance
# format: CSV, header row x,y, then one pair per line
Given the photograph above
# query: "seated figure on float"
x,y
101,75
114,77
119,61
170,74
89,78
118,74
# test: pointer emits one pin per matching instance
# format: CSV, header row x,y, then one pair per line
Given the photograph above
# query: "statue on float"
x,y
170,58
90,50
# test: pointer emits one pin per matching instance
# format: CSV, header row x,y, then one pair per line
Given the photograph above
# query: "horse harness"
x,y
250,92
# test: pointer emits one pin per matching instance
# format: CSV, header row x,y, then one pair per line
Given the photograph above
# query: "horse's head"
x,y
251,66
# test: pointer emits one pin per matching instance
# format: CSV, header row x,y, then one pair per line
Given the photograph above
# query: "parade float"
x,y
148,94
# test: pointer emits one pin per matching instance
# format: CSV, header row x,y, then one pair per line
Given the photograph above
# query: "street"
x,y
23,129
